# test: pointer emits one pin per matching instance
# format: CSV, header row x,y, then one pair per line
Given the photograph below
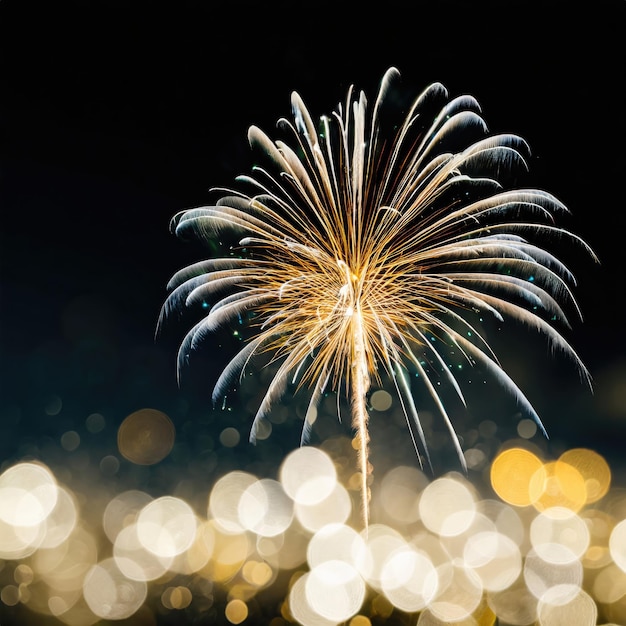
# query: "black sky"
x,y
116,114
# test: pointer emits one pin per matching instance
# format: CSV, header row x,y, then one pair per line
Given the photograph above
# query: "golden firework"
x,y
367,236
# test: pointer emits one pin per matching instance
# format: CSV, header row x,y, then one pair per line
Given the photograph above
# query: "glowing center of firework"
x,y
348,291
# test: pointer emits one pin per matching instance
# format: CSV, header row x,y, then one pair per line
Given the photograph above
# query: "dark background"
x,y
114,115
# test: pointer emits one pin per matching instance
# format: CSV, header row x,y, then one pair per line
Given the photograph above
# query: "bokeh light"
x,y
409,579
176,597
559,526
617,544
334,590
225,498
335,508
527,542
511,475
447,507
299,608
236,611
562,575
28,493
122,510
494,557
134,560
336,541
380,541
265,508
110,594
399,493
579,609
146,436
308,475
460,595
559,484
166,526
593,468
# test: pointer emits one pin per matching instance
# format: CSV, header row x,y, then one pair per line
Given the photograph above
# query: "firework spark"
x,y
365,238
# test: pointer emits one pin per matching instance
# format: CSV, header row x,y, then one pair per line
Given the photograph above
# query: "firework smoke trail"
x,y
370,239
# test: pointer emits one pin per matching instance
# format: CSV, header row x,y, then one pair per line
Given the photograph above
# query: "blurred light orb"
x,y
176,598
264,508
505,518
146,437
264,428
335,590
134,560
109,465
515,605
400,491
409,580
230,437
511,474
70,440
236,611
336,542
454,545
334,509
225,497
580,609
53,406
617,545
110,594
475,458
199,553
609,585
308,475
257,573
300,608
64,567
559,485
526,428
23,574
123,510
447,507
593,468
230,551
459,597
18,542
559,525
28,494
600,525
95,423
10,595
495,558
381,400
541,575
285,551
61,521
381,541
167,526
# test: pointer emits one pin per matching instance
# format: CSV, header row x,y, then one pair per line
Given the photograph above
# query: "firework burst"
x,y
363,238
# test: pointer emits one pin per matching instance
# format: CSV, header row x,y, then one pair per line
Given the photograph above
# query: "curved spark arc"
x,y
361,238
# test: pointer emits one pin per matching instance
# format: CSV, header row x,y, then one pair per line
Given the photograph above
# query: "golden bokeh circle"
x,y
146,437
593,468
236,611
511,474
560,485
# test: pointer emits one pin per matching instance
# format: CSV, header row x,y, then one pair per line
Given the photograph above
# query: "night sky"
x,y
114,115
